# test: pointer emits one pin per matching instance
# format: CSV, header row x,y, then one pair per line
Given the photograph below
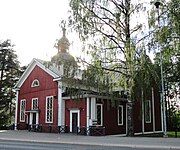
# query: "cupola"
x,y
63,43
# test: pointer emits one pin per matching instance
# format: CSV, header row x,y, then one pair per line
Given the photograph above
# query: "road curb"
x,y
95,144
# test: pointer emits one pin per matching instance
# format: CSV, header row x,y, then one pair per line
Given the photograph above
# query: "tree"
x,y
106,28
9,72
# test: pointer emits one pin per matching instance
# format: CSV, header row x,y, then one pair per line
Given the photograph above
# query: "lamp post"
x,y
157,4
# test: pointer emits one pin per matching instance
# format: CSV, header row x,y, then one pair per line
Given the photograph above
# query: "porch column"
x,y
61,105
87,114
37,118
16,109
30,118
153,112
93,108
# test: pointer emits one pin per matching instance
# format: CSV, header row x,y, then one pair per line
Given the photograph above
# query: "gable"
x,y
30,68
45,81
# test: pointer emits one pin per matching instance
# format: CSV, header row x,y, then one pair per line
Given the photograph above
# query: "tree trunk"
x,y
130,128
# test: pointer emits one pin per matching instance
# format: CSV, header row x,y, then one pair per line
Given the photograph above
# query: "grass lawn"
x,y
172,134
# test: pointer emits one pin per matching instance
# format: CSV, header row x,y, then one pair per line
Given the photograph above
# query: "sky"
x,y
33,27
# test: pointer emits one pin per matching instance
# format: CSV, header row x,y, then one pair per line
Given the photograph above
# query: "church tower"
x,y
63,59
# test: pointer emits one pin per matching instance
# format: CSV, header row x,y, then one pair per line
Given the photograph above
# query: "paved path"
x,y
138,142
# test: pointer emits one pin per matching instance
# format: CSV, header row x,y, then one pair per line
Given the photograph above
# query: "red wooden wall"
x,y
47,88
75,104
110,118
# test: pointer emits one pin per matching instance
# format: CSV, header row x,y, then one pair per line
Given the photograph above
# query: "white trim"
x,y
126,120
117,135
120,124
33,99
46,109
37,118
93,108
153,111
150,132
92,96
78,113
101,114
30,118
27,118
87,112
30,68
23,100
61,106
35,81
16,111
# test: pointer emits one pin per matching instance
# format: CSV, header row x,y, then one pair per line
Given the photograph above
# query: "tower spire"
x,y
64,31
63,43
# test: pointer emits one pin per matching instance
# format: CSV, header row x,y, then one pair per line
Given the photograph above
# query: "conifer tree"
x,y
9,72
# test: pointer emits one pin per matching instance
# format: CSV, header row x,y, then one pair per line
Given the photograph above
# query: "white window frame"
x,y
34,83
145,105
22,110
34,99
120,106
47,98
101,114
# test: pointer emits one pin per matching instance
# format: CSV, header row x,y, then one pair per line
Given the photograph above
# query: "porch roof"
x,y
93,95
32,111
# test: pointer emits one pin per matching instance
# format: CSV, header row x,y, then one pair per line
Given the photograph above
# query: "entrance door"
x,y
34,118
74,122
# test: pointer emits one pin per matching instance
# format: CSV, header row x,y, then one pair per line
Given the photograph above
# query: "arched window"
x,y
35,83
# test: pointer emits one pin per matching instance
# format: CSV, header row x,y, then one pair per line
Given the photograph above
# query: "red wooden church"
x,y
43,105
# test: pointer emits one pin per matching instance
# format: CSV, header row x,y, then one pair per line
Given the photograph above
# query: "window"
x,y
99,114
35,83
22,110
49,109
147,111
34,103
120,115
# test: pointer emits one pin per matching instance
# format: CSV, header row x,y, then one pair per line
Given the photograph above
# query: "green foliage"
x,y
105,27
173,134
68,62
9,73
174,117
148,77
167,37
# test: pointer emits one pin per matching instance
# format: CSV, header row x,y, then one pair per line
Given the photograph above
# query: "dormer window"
x,y
35,83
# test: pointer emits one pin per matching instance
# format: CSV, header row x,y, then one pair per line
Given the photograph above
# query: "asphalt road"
x,y
18,145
